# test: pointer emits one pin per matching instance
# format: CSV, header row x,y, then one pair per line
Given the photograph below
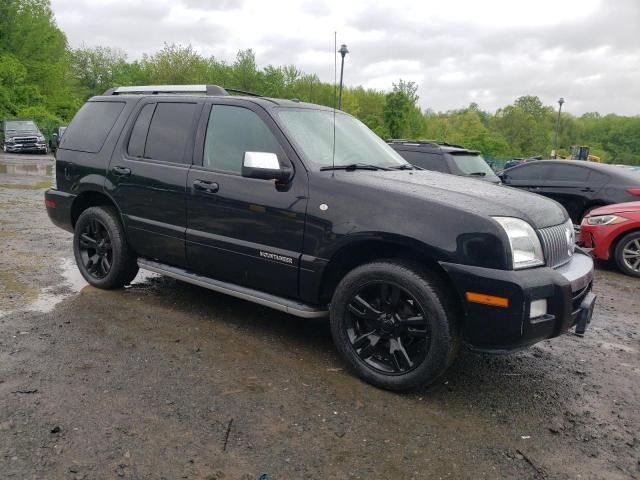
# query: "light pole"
x,y
343,51
555,141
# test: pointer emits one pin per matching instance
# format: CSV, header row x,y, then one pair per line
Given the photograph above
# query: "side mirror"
x,y
264,166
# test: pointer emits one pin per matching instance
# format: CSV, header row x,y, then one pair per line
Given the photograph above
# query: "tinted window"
x,y
91,125
531,171
169,132
570,173
430,161
231,132
139,132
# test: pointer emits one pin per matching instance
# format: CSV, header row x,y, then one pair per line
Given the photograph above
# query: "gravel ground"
x,y
167,380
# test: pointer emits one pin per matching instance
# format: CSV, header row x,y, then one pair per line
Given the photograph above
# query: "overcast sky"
x,y
458,51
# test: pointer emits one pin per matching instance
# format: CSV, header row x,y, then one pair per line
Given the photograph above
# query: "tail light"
x,y
634,191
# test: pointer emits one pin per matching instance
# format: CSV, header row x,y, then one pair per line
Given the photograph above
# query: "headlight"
x,y
605,220
526,250
40,138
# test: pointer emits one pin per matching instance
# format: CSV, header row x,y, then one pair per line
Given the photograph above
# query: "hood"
x,y
616,208
479,197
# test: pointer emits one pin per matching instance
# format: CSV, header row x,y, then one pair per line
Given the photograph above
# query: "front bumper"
x,y
27,147
567,290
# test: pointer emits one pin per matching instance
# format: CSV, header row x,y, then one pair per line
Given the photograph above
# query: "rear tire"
x,y
101,250
627,254
395,324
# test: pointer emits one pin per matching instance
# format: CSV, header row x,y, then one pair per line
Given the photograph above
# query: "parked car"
x,y
22,136
445,158
613,232
54,141
579,186
303,209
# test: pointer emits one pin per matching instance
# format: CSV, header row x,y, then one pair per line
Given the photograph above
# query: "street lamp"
x,y
555,141
343,51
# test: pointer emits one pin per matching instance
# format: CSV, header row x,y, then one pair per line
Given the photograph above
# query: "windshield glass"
x,y
472,164
312,131
24,126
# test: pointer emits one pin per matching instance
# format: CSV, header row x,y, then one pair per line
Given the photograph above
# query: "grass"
x,y
27,186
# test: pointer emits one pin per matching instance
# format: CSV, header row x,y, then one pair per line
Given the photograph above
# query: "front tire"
x,y
394,324
627,254
101,250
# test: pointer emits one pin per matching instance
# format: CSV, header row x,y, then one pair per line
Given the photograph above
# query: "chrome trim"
x,y
272,301
265,160
557,244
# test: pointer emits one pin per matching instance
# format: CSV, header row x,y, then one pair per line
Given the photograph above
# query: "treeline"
x,y
42,78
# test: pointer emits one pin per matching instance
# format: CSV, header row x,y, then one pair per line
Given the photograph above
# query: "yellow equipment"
x,y
581,152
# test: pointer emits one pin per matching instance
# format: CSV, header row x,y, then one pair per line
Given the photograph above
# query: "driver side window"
x,y
231,131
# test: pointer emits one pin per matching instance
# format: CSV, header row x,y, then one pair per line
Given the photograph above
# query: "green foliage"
x,y
43,79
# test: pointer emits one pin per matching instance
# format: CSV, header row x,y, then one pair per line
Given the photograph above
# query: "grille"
x,y
557,243
25,139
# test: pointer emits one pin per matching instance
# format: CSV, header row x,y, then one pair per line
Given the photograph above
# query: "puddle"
x,y
72,284
27,169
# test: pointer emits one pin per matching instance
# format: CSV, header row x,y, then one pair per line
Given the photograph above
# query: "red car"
x,y
613,232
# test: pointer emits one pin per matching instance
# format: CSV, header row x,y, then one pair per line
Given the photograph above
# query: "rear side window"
x,y
91,125
570,173
231,132
169,132
139,132
430,161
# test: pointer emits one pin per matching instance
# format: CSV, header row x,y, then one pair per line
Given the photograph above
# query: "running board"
x,y
278,303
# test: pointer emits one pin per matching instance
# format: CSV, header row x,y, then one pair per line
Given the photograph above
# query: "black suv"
x,y
304,209
444,157
22,136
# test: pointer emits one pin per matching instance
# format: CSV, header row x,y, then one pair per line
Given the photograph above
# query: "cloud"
x,y
459,51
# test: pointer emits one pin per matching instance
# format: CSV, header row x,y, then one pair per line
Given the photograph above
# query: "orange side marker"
x,y
487,299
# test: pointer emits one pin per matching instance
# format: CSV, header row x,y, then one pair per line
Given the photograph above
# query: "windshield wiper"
x,y
478,174
405,166
353,166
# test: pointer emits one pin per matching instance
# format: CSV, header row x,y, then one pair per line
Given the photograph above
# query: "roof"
x,y
209,91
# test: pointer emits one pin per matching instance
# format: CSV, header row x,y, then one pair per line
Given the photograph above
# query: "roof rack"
x,y
211,90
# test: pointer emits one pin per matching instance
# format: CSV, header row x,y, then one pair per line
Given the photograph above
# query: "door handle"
x,y
587,189
121,171
205,186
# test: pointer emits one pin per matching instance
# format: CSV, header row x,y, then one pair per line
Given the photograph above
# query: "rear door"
x,y
569,185
148,175
242,230
528,176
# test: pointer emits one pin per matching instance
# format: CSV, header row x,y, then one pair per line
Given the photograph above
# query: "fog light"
x,y
538,308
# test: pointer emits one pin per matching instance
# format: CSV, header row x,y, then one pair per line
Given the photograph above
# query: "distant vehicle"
x,y
22,136
613,232
54,141
578,186
444,157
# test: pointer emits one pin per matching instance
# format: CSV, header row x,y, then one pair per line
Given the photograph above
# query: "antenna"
x,y
335,79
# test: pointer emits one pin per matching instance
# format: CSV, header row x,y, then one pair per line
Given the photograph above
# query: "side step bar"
x,y
278,303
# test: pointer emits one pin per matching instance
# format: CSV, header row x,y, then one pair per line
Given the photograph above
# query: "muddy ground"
x,y
167,380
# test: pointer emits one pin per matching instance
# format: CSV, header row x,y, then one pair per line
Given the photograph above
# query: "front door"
x,y
242,230
148,177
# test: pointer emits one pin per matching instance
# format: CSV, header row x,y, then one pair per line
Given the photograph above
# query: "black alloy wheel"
x,y
388,328
96,250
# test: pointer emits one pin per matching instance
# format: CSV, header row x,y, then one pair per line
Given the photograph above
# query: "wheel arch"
x,y
91,198
360,252
616,241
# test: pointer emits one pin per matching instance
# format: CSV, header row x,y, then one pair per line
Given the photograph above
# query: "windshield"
x,y
25,126
312,131
472,164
